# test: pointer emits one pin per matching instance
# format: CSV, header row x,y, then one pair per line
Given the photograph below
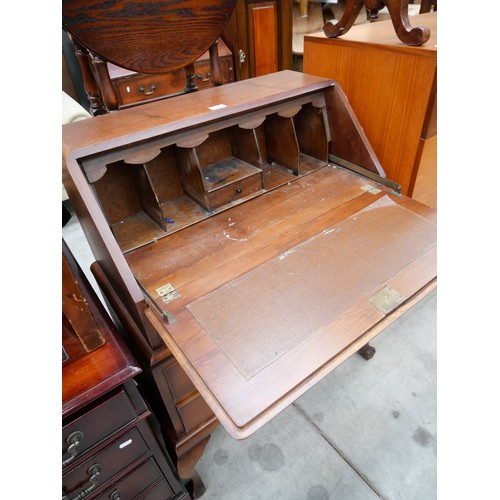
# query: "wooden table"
x,y
391,87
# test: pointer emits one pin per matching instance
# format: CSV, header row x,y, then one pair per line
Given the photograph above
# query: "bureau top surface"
x,y
186,111
382,34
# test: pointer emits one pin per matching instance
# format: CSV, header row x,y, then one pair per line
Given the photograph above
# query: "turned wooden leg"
x,y
398,9
190,82
186,469
367,352
89,83
335,28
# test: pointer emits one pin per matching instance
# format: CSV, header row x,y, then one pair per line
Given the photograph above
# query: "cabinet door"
x,y
259,34
263,37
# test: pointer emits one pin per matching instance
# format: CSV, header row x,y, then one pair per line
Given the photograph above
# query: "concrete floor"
x,y
367,430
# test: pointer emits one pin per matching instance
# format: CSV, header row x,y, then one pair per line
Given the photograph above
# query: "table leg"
x,y
335,28
187,472
398,9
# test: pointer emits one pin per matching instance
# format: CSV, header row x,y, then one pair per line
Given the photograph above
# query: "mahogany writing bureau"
x,y
245,257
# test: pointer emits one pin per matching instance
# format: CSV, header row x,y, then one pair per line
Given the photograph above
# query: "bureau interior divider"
x,y
146,196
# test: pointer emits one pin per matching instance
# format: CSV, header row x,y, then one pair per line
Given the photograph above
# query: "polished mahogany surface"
x,y
87,374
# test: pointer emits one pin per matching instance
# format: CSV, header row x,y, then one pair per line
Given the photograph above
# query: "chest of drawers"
x,y
109,450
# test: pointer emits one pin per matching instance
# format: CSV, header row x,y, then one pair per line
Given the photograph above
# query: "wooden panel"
x,y
239,36
265,37
132,88
257,318
285,344
118,193
139,480
430,123
180,384
246,385
166,116
194,411
92,374
101,419
281,141
114,457
425,190
388,84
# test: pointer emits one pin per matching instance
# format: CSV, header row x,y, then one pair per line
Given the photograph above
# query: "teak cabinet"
x,y
391,86
109,450
244,258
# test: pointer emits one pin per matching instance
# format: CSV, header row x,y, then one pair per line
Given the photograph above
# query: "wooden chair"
x,y
143,36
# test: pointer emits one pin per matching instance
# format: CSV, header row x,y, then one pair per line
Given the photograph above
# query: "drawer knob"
x,y
115,495
74,440
149,92
238,191
93,472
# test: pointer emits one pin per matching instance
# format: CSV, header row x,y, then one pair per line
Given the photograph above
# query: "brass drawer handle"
x,y
149,92
74,440
207,79
94,472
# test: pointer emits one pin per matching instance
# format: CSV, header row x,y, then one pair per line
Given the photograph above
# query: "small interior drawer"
x,y
221,194
103,419
139,480
121,452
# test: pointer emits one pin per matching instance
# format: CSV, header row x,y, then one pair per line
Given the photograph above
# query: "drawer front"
x,y
140,87
234,191
120,453
192,408
203,75
179,383
161,491
194,412
139,480
102,420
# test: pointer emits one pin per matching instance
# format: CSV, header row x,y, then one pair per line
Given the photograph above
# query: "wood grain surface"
x,y
145,36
